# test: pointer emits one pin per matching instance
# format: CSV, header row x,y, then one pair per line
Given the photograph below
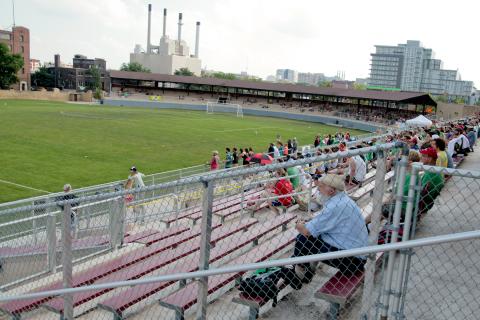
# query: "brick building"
x,y
18,41
78,77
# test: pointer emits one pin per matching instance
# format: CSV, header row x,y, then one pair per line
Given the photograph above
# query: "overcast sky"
x,y
258,36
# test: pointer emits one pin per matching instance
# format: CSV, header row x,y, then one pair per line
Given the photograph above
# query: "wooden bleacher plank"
x,y
197,210
89,276
135,271
120,303
186,297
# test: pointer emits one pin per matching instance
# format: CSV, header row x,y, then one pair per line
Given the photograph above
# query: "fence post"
x,y
397,286
242,197
206,229
373,236
67,261
384,303
116,217
310,188
51,243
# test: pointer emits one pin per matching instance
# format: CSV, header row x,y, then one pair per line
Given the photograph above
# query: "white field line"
x,y
22,186
247,129
86,116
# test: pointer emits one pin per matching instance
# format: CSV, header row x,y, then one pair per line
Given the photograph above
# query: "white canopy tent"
x,y
419,121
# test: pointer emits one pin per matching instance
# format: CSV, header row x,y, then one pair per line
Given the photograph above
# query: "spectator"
x,y
471,138
293,174
68,195
432,183
280,148
462,144
294,146
228,158
282,187
235,157
271,150
215,161
244,156
442,158
338,226
289,147
357,169
316,143
134,181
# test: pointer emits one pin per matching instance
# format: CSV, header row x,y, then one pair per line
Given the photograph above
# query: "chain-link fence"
x,y
194,248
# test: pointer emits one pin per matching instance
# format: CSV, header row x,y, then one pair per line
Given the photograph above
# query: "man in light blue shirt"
x,y
338,226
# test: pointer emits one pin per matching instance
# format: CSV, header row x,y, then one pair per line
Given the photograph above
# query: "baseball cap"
x,y
67,187
333,180
133,168
435,136
430,152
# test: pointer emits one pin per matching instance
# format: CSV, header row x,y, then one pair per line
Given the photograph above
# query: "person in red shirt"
x,y
282,187
215,161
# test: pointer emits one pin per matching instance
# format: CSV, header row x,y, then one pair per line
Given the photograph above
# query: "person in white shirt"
x,y
134,181
463,141
357,169
451,146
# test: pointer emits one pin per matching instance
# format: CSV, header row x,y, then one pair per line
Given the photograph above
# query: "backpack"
x,y
262,284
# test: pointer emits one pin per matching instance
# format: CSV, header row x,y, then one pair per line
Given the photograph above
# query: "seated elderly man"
x,y
338,226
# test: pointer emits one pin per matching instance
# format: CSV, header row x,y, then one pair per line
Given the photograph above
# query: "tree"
x,y
184,72
134,67
325,84
359,86
42,78
223,75
10,64
95,82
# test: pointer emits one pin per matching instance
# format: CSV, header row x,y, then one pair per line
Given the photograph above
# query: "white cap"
x,y
435,136
67,187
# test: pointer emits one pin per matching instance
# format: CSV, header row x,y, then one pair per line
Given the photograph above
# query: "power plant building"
x,y
169,55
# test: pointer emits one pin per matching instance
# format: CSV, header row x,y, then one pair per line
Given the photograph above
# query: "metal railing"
x,y
241,230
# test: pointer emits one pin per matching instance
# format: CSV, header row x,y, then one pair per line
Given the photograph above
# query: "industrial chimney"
x,y
179,28
164,22
149,27
197,39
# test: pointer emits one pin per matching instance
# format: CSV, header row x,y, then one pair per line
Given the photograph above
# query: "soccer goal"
x,y
214,106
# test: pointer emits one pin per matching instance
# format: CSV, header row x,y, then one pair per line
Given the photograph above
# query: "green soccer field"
x,y
47,144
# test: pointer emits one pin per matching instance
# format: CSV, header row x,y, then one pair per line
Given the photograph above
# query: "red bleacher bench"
x,y
185,298
171,239
118,304
196,211
225,210
135,271
340,288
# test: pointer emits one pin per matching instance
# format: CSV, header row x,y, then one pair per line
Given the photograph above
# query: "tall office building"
x,y
411,67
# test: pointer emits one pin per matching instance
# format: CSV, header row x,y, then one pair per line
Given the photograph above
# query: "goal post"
x,y
213,107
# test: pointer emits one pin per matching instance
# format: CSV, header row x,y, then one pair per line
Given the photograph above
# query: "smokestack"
x,y
164,22
149,27
179,27
197,39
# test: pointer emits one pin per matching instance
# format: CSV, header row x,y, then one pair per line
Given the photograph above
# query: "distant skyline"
x,y
255,36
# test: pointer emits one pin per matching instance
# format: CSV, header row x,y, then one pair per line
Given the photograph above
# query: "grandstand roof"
x,y
416,98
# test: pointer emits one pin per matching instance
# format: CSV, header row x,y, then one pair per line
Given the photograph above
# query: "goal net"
x,y
213,107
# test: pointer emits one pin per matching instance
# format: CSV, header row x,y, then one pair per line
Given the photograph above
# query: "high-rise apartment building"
x,y
18,41
411,67
310,78
287,75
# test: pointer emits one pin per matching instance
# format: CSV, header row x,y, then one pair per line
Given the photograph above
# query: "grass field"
x,y
47,144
